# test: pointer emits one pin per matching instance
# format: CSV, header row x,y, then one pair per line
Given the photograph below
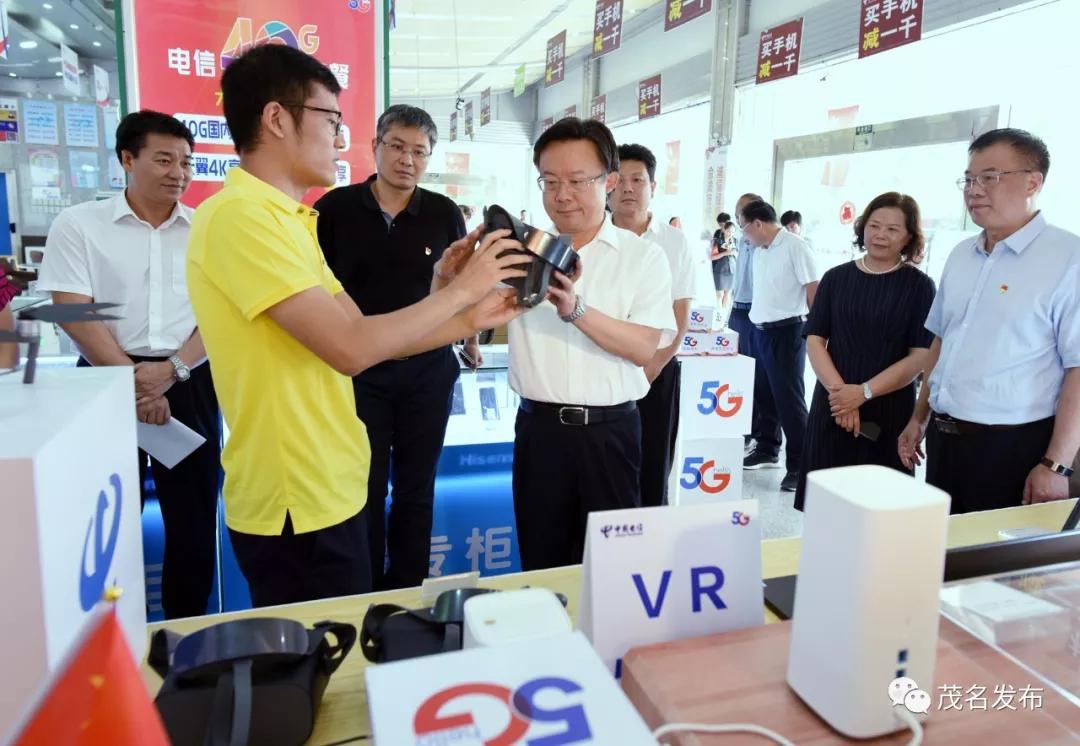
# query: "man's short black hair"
x,y
133,129
791,216
723,218
271,72
407,116
572,128
759,209
641,154
1030,147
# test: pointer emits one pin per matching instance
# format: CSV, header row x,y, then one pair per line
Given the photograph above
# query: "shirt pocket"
x,y
179,272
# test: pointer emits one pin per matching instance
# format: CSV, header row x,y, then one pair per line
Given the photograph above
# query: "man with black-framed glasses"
x,y
383,238
285,338
578,361
1002,404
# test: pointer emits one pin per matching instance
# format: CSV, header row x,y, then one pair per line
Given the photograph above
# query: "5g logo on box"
x,y
434,727
718,399
690,341
697,473
697,317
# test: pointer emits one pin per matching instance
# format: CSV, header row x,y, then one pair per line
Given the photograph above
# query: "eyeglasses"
x,y
335,122
418,154
990,179
576,186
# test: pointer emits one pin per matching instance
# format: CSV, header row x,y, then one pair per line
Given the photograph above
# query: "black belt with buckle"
x,y
952,426
791,320
571,414
740,306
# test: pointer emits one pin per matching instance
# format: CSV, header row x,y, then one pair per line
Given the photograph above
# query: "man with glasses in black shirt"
x,y
383,239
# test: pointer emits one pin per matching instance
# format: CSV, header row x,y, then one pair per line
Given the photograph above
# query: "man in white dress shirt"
x,y
131,250
660,408
578,362
1004,375
785,281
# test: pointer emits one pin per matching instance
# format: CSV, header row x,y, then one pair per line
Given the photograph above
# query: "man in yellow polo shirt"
x,y
284,338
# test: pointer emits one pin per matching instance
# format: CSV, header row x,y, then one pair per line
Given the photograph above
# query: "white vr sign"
x,y
657,574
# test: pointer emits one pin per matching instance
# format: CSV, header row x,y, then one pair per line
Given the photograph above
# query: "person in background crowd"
x,y
130,250
674,221
9,351
723,252
867,344
765,422
578,362
524,216
1003,400
466,213
659,409
382,239
284,337
785,281
792,221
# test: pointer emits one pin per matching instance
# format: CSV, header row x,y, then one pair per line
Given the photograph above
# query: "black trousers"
x,y
290,568
782,355
659,430
564,472
985,470
764,420
405,405
188,496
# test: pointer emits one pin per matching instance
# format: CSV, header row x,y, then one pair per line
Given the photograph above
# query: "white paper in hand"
x,y
170,443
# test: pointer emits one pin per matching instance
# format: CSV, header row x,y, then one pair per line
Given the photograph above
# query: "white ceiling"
x,y
442,47
77,23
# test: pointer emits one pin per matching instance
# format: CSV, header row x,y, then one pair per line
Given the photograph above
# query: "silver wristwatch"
x,y
867,391
577,313
180,370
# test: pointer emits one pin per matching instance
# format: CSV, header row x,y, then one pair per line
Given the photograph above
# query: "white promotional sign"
x,y
539,691
73,528
717,396
69,67
652,575
710,470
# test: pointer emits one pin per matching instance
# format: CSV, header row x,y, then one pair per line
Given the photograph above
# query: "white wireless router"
x,y
866,601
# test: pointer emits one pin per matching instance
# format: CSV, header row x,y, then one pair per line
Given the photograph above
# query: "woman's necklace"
x,y
866,269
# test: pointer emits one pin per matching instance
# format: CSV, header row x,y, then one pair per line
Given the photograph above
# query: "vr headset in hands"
x,y
553,253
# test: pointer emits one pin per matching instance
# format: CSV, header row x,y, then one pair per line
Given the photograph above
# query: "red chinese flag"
x,y
96,696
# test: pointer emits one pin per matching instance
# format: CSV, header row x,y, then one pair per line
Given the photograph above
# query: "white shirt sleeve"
x,y
65,266
652,299
684,281
803,262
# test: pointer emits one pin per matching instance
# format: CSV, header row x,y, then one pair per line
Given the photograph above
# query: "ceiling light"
x,y
46,6
97,43
73,26
59,74
28,44
13,75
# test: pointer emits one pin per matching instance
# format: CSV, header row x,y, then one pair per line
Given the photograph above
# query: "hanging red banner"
x,y
555,66
598,108
607,30
649,97
778,51
888,24
678,12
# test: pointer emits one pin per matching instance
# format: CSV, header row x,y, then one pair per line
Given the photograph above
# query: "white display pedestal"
x,y
715,407
69,485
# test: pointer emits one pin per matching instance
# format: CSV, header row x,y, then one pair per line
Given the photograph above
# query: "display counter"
x,y
344,713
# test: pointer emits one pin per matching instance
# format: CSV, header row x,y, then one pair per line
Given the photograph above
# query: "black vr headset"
x,y
550,253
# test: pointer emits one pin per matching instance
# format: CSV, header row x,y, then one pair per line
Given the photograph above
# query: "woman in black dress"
x,y
867,344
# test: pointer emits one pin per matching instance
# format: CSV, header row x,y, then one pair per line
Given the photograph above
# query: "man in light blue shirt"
x,y
1004,376
765,420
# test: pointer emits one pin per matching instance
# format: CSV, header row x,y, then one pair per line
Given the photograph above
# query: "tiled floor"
x,y
778,518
